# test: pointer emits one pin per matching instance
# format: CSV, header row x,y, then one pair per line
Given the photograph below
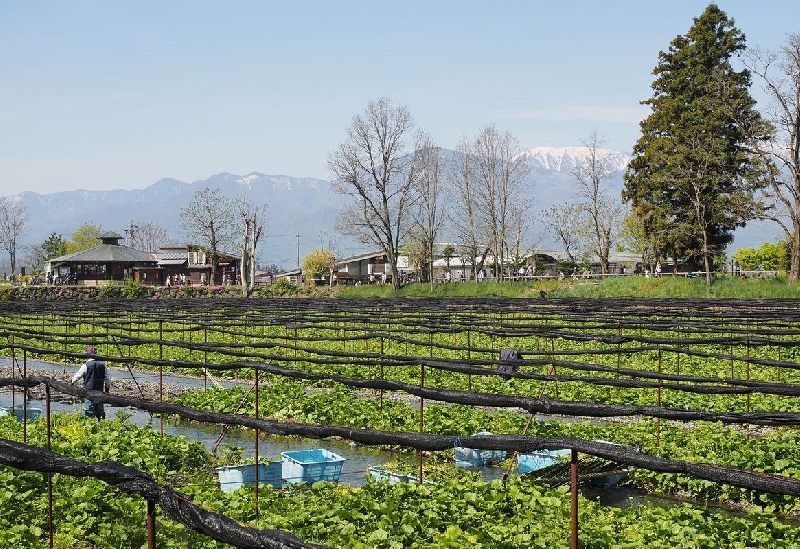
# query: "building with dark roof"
x,y
190,264
110,261
173,265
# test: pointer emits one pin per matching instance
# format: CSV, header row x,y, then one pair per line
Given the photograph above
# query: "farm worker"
x,y
95,378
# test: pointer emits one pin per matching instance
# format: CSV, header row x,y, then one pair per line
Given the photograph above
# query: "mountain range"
x,y
301,211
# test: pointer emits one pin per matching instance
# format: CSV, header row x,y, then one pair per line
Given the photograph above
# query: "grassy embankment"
x,y
628,286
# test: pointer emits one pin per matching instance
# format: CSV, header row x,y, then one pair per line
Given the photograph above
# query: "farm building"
x,y
111,262
107,262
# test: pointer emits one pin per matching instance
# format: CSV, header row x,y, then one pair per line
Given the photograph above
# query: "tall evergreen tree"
x,y
54,246
693,178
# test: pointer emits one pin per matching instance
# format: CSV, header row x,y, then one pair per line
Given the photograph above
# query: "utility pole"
x,y
129,233
298,249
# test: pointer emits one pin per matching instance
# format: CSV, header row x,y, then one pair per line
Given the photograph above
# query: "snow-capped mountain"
x,y
303,206
301,211
566,158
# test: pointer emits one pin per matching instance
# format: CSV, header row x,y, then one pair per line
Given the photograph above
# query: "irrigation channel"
x,y
672,365
354,469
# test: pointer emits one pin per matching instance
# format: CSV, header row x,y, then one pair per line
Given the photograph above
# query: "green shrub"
x,y
284,287
132,289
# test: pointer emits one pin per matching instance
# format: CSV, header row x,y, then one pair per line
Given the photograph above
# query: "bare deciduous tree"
x,y
566,223
520,247
469,227
779,73
209,220
35,256
373,167
13,218
604,212
251,217
429,213
147,236
498,172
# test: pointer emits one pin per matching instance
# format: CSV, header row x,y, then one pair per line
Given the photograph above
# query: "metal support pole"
x,y
151,524
574,488
658,420
469,358
161,370
25,397
257,479
50,529
14,373
381,374
421,415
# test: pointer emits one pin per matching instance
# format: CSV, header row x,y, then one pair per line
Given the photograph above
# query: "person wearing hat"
x,y
95,378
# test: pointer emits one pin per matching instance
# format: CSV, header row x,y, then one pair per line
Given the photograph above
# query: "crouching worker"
x,y
95,378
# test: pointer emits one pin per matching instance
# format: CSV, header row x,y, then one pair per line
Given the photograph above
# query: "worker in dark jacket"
x,y
95,378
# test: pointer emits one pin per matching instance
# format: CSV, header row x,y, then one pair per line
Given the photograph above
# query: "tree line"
x,y
707,162
211,219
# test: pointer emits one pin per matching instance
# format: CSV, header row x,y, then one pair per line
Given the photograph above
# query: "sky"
x,y
100,95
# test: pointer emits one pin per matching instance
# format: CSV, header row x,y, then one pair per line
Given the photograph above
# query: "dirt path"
x,y
121,383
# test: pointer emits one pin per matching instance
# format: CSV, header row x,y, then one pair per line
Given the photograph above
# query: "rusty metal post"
x,y
380,406
13,372
747,366
151,524
161,370
50,530
25,397
421,415
469,358
658,420
574,489
256,446
747,373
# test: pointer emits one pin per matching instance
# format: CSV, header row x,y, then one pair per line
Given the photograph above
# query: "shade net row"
x,y
429,442
132,481
623,344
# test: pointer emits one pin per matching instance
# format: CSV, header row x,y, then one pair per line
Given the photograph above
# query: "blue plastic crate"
x,y
232,477
540,459
471,457
31,413
310,466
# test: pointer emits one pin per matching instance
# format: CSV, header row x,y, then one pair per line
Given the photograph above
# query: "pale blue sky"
x,y
115,95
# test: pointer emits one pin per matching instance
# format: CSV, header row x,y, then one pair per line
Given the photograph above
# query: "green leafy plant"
x,y
132,289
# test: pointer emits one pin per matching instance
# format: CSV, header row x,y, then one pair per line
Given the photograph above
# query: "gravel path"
x,y
121,383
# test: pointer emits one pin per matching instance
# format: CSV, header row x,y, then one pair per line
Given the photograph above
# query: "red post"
x,y
574,488
161,371
421,415
151,524
50,530
256,444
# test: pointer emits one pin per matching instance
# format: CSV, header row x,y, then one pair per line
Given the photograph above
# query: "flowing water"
x,y
358,458
354,469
